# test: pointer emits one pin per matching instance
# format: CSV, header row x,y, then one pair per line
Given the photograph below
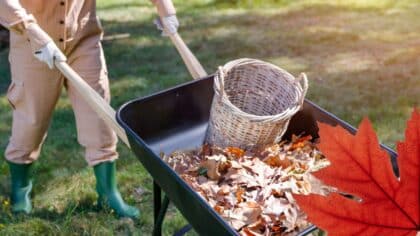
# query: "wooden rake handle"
x,y
95,101
193,65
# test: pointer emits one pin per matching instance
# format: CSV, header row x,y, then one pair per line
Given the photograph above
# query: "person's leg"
x,y
33,93
93,133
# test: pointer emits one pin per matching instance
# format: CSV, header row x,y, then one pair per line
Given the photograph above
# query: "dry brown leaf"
x,y
218,209
278,161
235,152
257,228
246,213
248,232
300,142
212,169
238,195
253,191
276,206
206,150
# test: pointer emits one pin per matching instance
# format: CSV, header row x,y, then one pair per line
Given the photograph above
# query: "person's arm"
x,y
164,7
14,17
167,22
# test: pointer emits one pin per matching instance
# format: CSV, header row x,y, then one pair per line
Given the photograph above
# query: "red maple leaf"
x,y
388,206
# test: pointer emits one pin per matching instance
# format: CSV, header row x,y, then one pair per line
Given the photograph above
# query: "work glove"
x,y
49,54
168,25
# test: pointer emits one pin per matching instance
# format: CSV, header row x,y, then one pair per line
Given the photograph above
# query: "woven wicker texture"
x,y
253,103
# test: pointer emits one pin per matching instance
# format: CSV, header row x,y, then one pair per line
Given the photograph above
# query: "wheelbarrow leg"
x,y
160,209
157,200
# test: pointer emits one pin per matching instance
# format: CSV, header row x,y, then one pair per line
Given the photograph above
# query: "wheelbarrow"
x,y
176,119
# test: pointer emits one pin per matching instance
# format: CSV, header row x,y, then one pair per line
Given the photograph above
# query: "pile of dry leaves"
x,y
252,191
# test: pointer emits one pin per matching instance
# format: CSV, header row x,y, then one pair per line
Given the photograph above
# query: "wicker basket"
x,y
253,103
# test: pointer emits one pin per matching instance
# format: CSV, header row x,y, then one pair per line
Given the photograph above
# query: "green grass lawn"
x,y
362,58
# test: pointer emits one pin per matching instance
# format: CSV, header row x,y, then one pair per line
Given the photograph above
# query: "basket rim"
x,y
284,115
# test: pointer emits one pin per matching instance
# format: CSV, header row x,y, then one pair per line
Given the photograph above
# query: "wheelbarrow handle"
x,y
193,65
95,101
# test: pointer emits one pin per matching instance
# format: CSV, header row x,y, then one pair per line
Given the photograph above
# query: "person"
x,y
43,32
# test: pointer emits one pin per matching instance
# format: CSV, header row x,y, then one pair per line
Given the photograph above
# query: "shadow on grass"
x,y
76,219
82,207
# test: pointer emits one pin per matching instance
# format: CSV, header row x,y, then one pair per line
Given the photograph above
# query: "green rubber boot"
x,y
106,186
21,187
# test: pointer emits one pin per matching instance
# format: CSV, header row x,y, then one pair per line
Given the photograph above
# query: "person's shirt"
x,y
62,21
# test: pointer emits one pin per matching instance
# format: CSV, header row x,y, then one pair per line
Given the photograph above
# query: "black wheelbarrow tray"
x,y
176,119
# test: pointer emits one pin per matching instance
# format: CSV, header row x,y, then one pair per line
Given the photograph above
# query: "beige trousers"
x,y
34,92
